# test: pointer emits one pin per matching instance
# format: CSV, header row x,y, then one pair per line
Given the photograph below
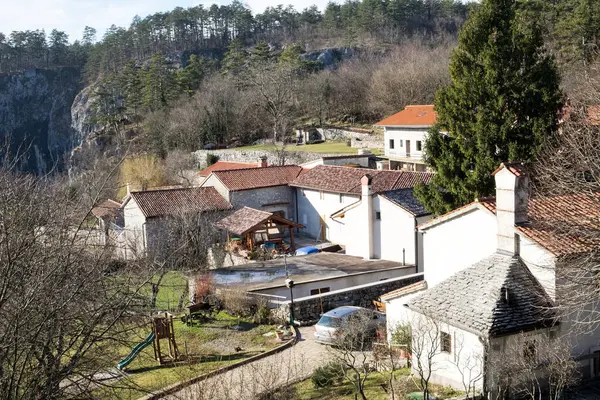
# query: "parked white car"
x,y
333,323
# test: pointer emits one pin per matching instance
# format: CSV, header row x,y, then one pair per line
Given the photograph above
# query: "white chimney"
x,y
367,212
129,188
512,198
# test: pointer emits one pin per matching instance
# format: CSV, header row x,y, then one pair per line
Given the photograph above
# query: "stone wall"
x,y
291,157
308,310
367,142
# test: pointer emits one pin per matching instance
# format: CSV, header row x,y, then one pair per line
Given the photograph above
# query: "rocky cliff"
x,y
35,115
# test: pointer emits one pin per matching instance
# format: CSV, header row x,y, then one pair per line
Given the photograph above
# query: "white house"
x,y
260,188
404,135
145,213
330,207
491,284
384,225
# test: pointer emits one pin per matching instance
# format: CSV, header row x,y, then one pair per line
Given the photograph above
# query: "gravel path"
x,y
248,381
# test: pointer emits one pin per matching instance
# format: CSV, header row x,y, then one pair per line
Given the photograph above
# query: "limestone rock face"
x,y
35,116
330,57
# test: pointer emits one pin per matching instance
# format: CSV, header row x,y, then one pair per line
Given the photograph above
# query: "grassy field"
x,y
325,148
172,290
374,388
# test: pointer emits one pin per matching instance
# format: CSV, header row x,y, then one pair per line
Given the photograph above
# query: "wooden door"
x,y
408,148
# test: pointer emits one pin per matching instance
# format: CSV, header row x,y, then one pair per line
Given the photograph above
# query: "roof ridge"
x,y
256,168
167,189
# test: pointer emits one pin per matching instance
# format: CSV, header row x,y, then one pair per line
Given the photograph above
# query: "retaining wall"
x,y
308,310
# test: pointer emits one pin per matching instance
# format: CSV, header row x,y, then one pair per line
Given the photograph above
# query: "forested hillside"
x,y
221,74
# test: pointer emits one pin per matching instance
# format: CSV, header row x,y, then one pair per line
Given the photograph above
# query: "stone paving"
x,y
248,381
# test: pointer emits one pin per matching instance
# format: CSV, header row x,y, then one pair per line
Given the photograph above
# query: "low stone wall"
x,y
336,134
291,157
308,310
368,142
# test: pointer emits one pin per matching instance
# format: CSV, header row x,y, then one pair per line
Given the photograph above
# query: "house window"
x,y
401,143
377,215
446,342
391,143
319,291
529,351
341,197
419,145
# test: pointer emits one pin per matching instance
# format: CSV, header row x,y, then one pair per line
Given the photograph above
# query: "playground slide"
x,y
136,350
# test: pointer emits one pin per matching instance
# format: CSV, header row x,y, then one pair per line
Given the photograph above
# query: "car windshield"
x,y
331,322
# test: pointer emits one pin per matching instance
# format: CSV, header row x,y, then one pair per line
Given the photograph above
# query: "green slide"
x,y
136,350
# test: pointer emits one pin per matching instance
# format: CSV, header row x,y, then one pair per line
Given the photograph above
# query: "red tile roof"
x,y
158,203
226,166
563,225
411,116
255,178
516,168
347,180
108,208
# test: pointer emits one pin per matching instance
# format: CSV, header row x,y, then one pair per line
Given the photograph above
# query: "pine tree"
x,y
500,105
159,83
133,87
190,77
235,58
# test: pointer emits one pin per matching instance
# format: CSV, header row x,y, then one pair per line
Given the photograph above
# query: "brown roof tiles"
x,y
158,203
255,178
248,219
226,166
108,208
347,180
563,225
411,116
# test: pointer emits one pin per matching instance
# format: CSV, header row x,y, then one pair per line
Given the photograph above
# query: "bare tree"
x,y
425,339
536,366
469,365
350,349
63,311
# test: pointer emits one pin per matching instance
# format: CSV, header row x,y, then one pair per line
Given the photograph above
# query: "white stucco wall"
x,y
540,262
213,181
394,235
466,355
134,221
302,289
404,134
457,244
312,206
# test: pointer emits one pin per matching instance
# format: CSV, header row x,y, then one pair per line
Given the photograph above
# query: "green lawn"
x,y
173,287
325,148
203,348
373,388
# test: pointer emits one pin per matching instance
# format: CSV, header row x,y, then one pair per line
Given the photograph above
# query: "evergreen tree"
x,y
159,83
235,58
261,53
500,105
133,87
190,77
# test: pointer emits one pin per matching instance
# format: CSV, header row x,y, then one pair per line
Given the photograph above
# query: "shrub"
x,y
205,286
211,159
236,303
262,314
331,374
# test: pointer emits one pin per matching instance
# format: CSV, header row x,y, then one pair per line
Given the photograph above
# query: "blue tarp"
x,y
306,250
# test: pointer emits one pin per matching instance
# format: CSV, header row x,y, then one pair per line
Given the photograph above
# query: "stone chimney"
x,y
262,162
367,216
512,199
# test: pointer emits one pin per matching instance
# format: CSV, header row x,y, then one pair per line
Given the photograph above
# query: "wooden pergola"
x,y
247,222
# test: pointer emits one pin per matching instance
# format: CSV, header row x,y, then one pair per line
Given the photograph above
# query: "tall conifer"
x,y
501,103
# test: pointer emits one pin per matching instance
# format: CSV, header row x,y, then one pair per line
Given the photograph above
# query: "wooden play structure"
x,y
163,329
